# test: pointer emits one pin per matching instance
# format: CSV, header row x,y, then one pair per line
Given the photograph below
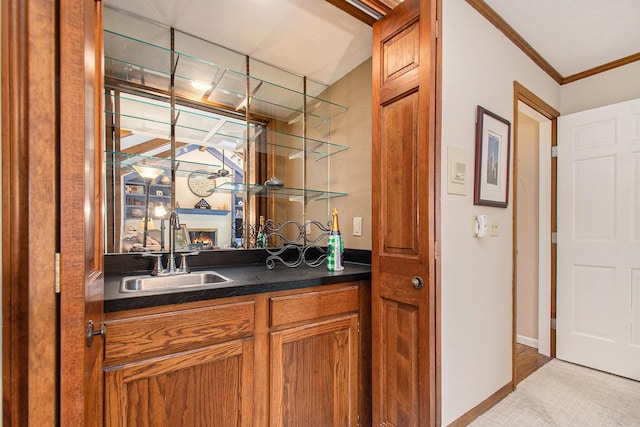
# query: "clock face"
x,y
200,184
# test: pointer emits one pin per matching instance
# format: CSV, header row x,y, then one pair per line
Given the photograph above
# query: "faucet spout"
x,y
174,224
174,219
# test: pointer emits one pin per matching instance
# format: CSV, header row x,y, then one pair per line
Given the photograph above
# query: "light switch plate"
x,y
357,226
457,171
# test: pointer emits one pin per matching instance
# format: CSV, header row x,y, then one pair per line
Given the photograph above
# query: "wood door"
x,y
81,237
598,286
203,387
403,264
314,374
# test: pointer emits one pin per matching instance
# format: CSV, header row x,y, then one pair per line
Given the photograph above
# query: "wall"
x,y
350,170
611,87
527,226
479,66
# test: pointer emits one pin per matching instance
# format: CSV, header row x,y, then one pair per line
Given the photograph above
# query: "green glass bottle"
x,y
335,247
261,238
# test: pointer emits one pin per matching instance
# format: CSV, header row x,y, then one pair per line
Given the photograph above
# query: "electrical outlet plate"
x,y
357,226
493,228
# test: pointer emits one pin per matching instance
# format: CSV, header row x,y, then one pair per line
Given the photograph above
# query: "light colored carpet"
x,y
564,394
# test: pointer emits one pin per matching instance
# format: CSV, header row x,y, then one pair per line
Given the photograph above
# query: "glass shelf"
x,y
294,146
183,168
146,64
293,194
270,99
153,118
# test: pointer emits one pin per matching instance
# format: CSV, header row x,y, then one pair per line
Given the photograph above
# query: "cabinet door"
x,y
314,374
204,387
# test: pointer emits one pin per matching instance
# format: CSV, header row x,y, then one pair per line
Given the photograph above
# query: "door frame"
x,y
29,213
522,94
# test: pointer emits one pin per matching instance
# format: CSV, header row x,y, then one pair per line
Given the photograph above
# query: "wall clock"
x,y
200,184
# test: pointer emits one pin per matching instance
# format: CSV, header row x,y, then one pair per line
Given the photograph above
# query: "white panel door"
x,y
598,282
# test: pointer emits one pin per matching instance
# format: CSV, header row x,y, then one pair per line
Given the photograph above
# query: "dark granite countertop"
x,y
246,280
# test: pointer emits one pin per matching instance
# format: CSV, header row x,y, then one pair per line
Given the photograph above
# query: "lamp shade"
x,y
160,211
147,171
149,224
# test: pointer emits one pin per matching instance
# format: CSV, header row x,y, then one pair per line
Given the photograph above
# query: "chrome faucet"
x,y
174,224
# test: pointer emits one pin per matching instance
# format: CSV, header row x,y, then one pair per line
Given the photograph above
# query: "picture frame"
x,y
493,144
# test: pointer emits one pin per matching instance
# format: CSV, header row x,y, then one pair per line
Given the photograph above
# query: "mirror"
x,y
229,140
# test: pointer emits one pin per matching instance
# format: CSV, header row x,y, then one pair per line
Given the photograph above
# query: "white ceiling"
x,y
575,35
316,39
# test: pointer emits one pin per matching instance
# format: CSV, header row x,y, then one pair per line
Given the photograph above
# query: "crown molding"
x,y
492,16
602,68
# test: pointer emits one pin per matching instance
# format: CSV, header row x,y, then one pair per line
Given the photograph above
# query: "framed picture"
x,y
491,186
182,239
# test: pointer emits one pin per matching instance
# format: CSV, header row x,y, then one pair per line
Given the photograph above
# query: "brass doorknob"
x,y
417,282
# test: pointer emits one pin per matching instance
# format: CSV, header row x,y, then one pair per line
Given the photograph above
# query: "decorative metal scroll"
x,y
247,234
291,237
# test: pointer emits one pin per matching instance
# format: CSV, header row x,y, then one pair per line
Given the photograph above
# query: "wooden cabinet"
x,y
191,367
286,358
314,359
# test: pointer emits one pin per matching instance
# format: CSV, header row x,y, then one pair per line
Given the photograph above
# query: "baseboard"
x,y
483,406
530,342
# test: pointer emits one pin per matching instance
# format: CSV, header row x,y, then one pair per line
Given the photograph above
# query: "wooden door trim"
x,y
81,234
521,93
29,212
437,213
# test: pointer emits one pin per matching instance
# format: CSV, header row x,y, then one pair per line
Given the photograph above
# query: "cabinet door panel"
x,y
314,374
196,388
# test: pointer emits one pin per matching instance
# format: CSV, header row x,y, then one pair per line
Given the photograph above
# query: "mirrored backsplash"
x,y
220,138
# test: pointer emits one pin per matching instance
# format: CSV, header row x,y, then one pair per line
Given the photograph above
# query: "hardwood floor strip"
x,y
528,360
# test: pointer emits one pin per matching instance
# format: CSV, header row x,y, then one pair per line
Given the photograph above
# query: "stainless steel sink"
x,y
207,279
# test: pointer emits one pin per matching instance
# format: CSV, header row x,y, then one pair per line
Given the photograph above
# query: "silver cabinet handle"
x,y
417,282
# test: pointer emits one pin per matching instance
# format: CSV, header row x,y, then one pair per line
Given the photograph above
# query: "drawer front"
x,y
312,305
155,335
